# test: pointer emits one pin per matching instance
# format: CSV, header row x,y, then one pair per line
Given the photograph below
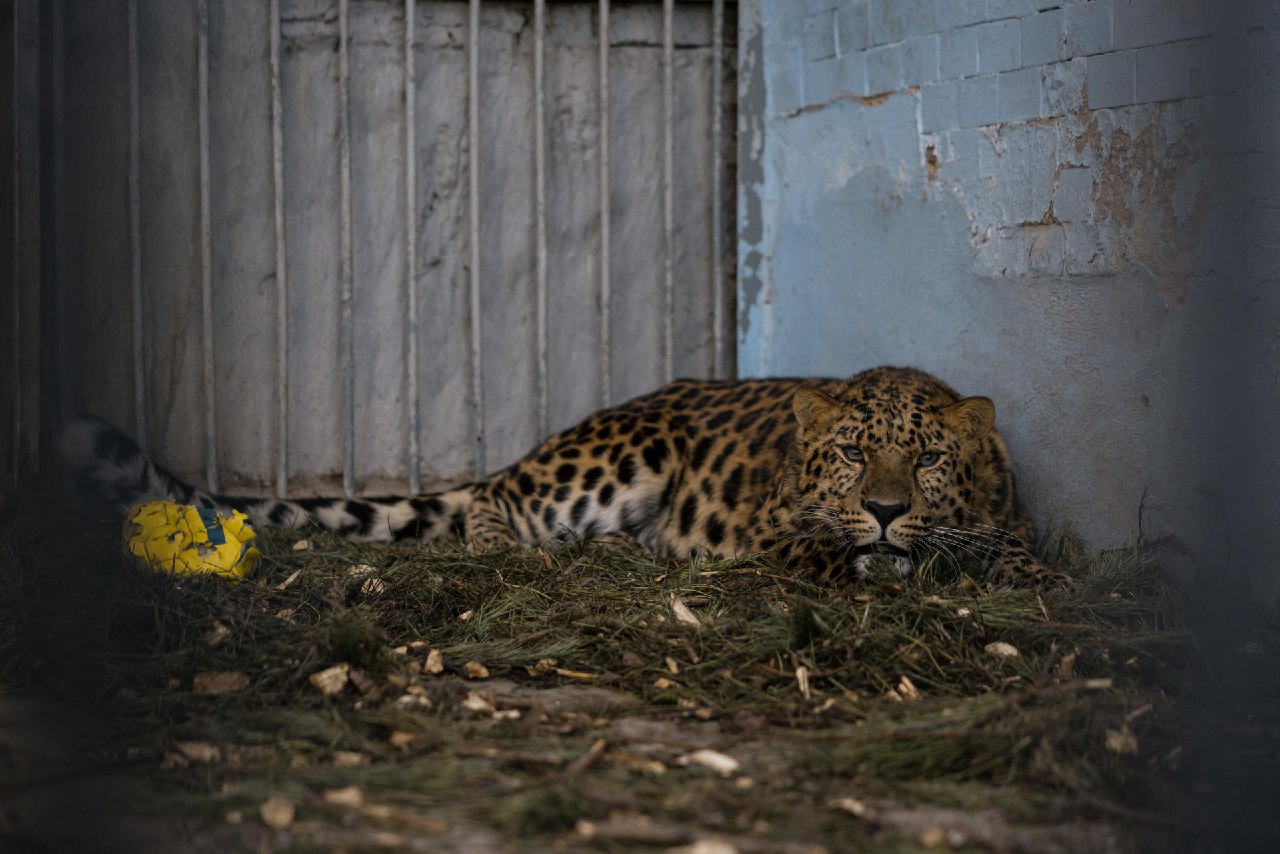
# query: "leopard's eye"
x,y
928,459
852,453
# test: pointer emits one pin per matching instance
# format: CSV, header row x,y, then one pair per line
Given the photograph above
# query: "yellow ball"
x,y
184,540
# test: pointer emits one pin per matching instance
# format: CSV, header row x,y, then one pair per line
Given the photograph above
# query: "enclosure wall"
x,y
370,245
1067,205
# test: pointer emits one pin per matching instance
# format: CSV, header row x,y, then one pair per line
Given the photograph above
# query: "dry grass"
x,y
888,693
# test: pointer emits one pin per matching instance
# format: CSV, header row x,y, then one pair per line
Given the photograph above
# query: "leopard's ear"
x,y
814,409
974,416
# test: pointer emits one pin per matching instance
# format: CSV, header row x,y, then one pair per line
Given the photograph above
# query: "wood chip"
x,y
277,813
199,751
544,665
402,740
574,674
1000,649
284,585
331,680
682,612
706,846
634,828
350,759
907,689
362,683
475,670
1144,709
360,570
373,586
586,760
217,634
434,663
219,682
721,763
1122,741
802,680
853,806
935,837
350,796
672,665
302,545
404,818
414,702
1066,665
477,702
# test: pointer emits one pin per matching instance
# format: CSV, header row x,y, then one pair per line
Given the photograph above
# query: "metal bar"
x,y
411,249
28,233
540,205
206,249
282,280
347,318
606,392
473,152
27,118
25,21
135,233
668,156
717,190
63,371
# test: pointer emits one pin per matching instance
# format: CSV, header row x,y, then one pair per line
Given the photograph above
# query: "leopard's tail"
x,y
108,465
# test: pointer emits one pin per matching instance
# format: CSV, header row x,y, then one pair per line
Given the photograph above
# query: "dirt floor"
x,y
383,698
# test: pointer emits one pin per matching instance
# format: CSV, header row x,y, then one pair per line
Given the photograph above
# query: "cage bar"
x,y
717,191
668,214
540,206
347,320
206,249
135,233
411,251
606,393
282,279
63,371
473,154
26,28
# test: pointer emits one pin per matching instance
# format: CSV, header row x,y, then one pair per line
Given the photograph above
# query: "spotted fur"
x,y
820,473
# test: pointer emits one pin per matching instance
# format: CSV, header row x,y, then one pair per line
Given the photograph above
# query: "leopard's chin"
x,y
880,547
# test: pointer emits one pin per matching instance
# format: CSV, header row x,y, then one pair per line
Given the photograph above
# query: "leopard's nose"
x,y
884,513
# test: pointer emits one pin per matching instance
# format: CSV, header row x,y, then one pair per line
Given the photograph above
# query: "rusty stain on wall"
x,y
1141,177
1143,206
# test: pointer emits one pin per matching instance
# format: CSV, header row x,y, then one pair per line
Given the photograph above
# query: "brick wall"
x,y
1030,198
999,81
1001,53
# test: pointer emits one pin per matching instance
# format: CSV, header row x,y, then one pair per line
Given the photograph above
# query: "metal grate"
x,y
326,265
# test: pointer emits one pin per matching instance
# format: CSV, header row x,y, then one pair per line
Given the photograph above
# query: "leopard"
x,y
829,477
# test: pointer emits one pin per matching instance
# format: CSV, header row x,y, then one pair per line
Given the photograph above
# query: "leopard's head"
x,y
897,456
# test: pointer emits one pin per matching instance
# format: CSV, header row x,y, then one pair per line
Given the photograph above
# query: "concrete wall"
x,y
1042,201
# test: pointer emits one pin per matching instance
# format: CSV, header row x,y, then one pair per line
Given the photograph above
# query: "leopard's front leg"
x,y
1014,563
